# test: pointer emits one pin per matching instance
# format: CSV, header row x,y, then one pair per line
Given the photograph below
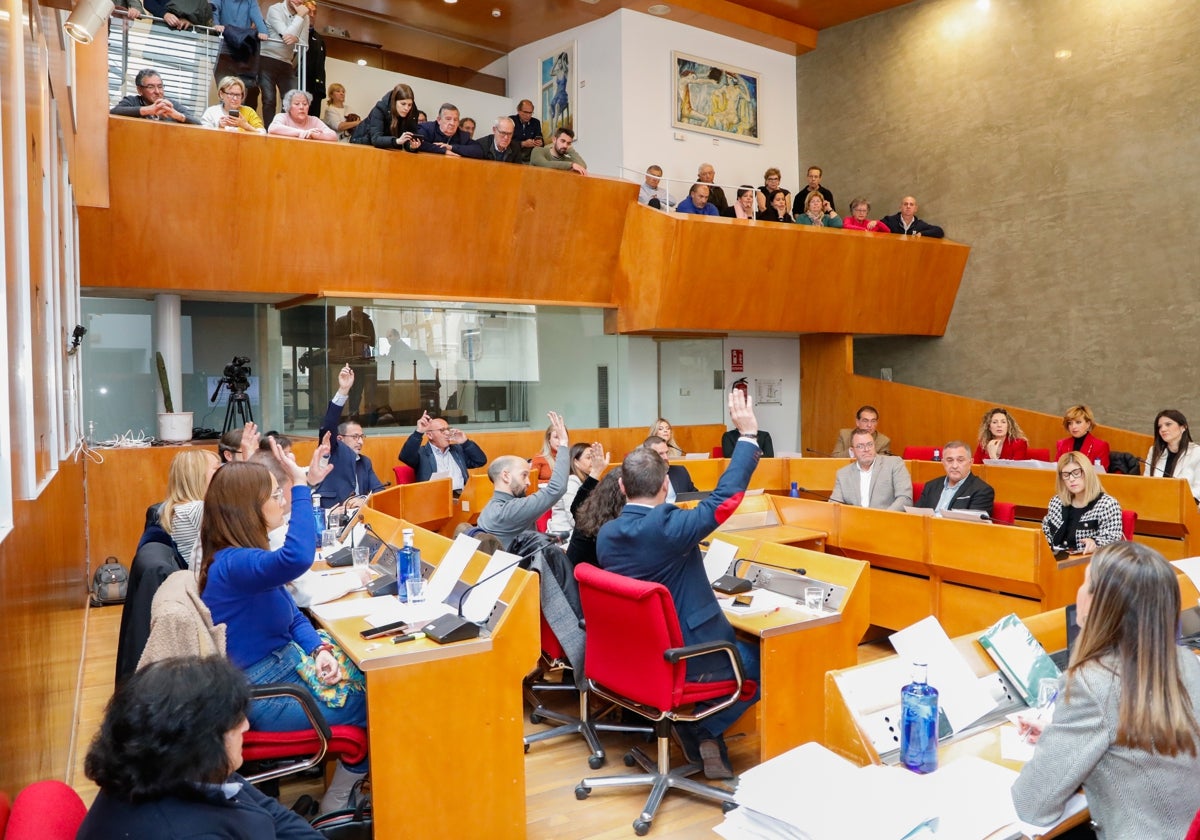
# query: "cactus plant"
x,y
162,380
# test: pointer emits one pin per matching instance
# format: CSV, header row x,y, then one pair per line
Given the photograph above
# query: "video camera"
x,y
236,377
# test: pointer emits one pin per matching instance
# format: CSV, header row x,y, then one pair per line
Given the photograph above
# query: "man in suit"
x,y
658,542
680,478
449,451
873,480
867,419
959,489
352,476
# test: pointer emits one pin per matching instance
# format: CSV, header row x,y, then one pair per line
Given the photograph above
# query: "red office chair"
x,y
1128,523
283,753
918,453
636,659
46,810
1004,513
543,522
1194,829
5,810
1038,454
554,658
718,452
405,474
918,487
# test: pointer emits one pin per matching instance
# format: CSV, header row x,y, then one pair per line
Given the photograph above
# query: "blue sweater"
x,y
246,593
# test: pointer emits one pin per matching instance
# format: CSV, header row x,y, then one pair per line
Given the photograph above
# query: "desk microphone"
x,y
456,628
801,491
819,454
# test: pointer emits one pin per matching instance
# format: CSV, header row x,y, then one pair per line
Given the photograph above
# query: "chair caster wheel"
x,y
534,717
595,761
581,791
726,807
641,827
527,749
629,759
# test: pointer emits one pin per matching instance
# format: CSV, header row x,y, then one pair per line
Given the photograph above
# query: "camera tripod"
x,y
237,411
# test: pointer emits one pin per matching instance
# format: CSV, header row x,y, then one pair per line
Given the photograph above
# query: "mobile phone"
x,y
392,629
234,113
743,600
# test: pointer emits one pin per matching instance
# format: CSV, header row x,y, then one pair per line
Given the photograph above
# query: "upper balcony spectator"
x,y
150,102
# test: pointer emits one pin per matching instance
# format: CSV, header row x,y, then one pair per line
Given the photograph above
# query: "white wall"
x,y
771,358
626,98
366,85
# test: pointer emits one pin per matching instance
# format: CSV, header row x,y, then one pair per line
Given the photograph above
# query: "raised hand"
x,y
320,465
289,465
345,379
599,460
558,434
741,412
250,440
423,422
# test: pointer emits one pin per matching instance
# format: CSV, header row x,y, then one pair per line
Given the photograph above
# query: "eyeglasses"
x,y
358,436
278,495
158,86
504,133
1068,475
439,429
234,94
863,447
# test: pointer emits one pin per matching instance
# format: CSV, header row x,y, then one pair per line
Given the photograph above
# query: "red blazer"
x,y
1092,448
1013,450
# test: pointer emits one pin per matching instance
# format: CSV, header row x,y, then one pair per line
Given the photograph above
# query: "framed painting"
x,y
714,98
559,77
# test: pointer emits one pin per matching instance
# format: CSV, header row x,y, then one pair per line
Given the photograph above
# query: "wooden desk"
x,y
429,504
444,720
782,534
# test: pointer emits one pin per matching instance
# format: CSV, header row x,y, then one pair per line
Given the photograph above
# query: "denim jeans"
x,y
283,714
716,724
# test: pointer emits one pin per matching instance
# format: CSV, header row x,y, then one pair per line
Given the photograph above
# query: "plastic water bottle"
x,y
408,564
937,454
795,491
318,515
919,722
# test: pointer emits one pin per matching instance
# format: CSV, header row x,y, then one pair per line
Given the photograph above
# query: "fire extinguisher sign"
x,y
735,361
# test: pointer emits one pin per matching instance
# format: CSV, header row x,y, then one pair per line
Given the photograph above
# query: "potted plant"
x,y
173,426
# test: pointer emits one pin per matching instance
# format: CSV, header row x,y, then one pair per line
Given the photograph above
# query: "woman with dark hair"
x,y
743,208
392,123
603,504
587,461
244,583
1125,727
1001,437
1081,516
1173,454
777,209
1078,422
165,757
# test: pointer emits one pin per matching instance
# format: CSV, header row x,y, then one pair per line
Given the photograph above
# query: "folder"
x,y
1019,656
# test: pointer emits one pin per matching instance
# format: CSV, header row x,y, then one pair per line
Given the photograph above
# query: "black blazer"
x,y
730,439
973,494
681,479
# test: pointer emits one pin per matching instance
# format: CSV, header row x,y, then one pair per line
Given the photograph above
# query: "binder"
x,y
1019,656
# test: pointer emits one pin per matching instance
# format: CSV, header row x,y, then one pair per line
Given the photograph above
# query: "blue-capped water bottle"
x,y
919,722
408,564
795,491
318,515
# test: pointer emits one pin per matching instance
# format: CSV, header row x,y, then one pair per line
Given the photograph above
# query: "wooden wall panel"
x,y
831,393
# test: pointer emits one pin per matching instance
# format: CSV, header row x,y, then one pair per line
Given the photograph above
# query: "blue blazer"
x,y
351,474
661,544
467,455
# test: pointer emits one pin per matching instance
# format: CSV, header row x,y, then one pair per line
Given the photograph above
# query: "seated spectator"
x,y
860,208
1078,422
1173,455
705,174
498,145
697,202
422,117
187,481
662,428
766,192
907,223
730,438
163,773
529,129
814,185
603,504
1080,517
959,488
867,419
650,193
1001,437
238,444
443,137
230,114
468,125
510,511
392,123
873,480
294,120
743,208
587,461
777,209
818,213
449,451
543,462
335,115
150,102
561,154
680,478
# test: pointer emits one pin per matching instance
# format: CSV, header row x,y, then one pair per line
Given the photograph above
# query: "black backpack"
x,y
110,583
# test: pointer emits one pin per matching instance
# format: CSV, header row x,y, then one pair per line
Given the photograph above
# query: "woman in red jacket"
x,y
1001,437
1078,422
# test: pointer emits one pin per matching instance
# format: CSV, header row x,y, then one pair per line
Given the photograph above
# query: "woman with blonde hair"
x,y
1080,517
335,115
1001,437
187,482
662,428
232,113
1125,727
1078,421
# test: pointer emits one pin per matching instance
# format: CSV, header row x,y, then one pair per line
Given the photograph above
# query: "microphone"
x,y
802,491
387,583
819,454
457,628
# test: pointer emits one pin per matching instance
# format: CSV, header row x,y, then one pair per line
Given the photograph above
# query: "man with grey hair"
x,y
442,137
510,512
706,174
499,144
150,101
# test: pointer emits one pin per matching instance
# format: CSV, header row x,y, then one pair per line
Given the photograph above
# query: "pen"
x,y
407,637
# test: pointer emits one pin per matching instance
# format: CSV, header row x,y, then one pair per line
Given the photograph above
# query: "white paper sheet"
x,y
345,608
482,599
1190,566
960,694
717,559
449,571
389,609
322,587
763,601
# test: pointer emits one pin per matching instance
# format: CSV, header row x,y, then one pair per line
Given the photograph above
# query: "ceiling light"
x,y
362,62
659,9
495,13
451,2
1063,54
89,17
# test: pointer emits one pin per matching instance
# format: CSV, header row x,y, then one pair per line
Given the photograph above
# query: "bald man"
x,y
906,222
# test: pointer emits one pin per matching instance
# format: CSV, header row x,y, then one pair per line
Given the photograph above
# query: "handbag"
x,y
110,584
351,823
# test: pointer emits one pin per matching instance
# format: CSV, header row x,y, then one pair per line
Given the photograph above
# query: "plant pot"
x,y
175,427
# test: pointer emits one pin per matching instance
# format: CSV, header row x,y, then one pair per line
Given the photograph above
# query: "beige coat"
x,y
180,623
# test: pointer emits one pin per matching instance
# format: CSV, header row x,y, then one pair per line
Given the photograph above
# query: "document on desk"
x,y
450,570
960,693
481,600
718,559
762,602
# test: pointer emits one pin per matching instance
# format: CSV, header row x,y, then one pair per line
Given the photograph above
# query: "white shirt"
x,y
446,464
864,485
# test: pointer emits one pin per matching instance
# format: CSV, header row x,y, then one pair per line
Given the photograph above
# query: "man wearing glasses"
x,y
352,476
499,145
874,481
150,102
449,452
959,488
867,419
528,128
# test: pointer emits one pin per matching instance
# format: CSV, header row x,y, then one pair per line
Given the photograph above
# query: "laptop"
x,y
1062,657
1189,628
